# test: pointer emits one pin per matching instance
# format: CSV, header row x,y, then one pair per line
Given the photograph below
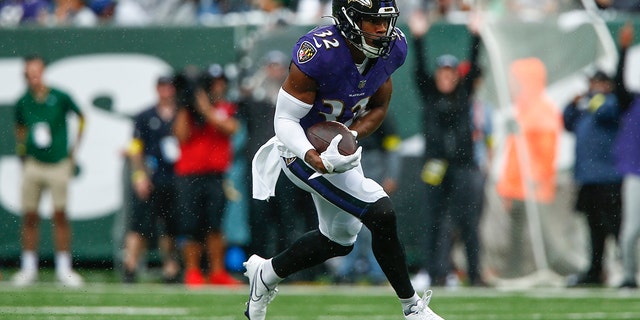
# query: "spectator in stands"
x,y
311,11
276,13
622,5
257,109
593,118
48,164
217,7
155,12
204,126
603,4
381,162
446,8
627,155
104,10
453,180
75,13
448,11
15,12
152,154
537,7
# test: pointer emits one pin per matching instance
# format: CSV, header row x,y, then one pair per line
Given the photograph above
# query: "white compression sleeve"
x,y
289,111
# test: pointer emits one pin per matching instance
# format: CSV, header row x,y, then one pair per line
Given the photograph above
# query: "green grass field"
x,y
107,299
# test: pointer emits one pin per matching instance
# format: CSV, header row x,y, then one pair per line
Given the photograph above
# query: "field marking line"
x,y
113,310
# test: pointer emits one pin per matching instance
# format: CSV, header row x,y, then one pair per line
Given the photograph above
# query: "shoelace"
x,y
420,307
426,297
271,294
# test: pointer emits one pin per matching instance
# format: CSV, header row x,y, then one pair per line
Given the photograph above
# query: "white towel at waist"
x,y
265,168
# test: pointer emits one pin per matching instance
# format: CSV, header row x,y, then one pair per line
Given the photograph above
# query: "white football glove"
x,y
334,162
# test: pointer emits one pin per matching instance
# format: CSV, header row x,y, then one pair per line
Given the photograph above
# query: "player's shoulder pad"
x,y
400,47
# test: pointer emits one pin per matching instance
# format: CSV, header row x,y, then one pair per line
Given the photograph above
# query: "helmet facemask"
x,y
349,20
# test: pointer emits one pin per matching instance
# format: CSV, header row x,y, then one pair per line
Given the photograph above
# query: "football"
x,y
321,134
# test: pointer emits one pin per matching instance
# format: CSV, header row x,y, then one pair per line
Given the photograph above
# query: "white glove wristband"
x,y
327,164
334,162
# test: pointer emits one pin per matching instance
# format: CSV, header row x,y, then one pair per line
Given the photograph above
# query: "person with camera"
x,y
203,126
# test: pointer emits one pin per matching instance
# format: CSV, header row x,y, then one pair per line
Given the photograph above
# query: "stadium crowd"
x,y
195,105
140,13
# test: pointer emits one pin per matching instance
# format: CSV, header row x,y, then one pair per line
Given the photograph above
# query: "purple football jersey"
x,y
323,54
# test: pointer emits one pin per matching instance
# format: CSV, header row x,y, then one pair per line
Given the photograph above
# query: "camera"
x,y
186,83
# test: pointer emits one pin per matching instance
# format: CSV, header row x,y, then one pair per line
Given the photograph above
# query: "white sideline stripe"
x,y
535,316
321,290
95,310
369,317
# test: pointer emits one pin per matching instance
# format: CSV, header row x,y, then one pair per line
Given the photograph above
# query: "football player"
x,y
339,72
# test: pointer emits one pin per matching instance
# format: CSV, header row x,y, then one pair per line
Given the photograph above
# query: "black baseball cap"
x,y
447,61
600,75
164,79
216,71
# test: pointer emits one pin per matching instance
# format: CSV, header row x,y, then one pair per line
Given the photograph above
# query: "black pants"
x,y
451,208
277,223
602,205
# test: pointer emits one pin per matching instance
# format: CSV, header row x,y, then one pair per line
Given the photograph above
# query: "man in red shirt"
x,y
203,129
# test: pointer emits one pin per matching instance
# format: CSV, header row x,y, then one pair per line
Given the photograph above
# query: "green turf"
x,y
97,301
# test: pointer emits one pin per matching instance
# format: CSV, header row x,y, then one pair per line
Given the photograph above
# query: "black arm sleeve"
x,y
421,57
475,71
620,89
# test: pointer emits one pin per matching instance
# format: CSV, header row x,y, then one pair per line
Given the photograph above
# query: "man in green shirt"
x,y
41,142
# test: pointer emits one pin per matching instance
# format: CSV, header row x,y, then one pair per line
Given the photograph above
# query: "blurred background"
x,y
108,54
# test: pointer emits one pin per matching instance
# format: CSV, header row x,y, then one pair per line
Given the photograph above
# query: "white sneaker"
x,y
452,280
24,278
421,281
69,278
259,294
421,310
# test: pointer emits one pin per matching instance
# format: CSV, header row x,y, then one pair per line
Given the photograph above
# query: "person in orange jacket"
x,y
529,170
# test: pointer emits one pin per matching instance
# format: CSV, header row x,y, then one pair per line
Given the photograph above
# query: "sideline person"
x,y
48,164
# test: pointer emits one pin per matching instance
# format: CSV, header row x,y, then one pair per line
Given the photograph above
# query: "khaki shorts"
x,y
39,176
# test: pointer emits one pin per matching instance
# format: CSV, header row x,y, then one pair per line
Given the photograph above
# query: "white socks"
x,y
29,261
269,276
63,261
